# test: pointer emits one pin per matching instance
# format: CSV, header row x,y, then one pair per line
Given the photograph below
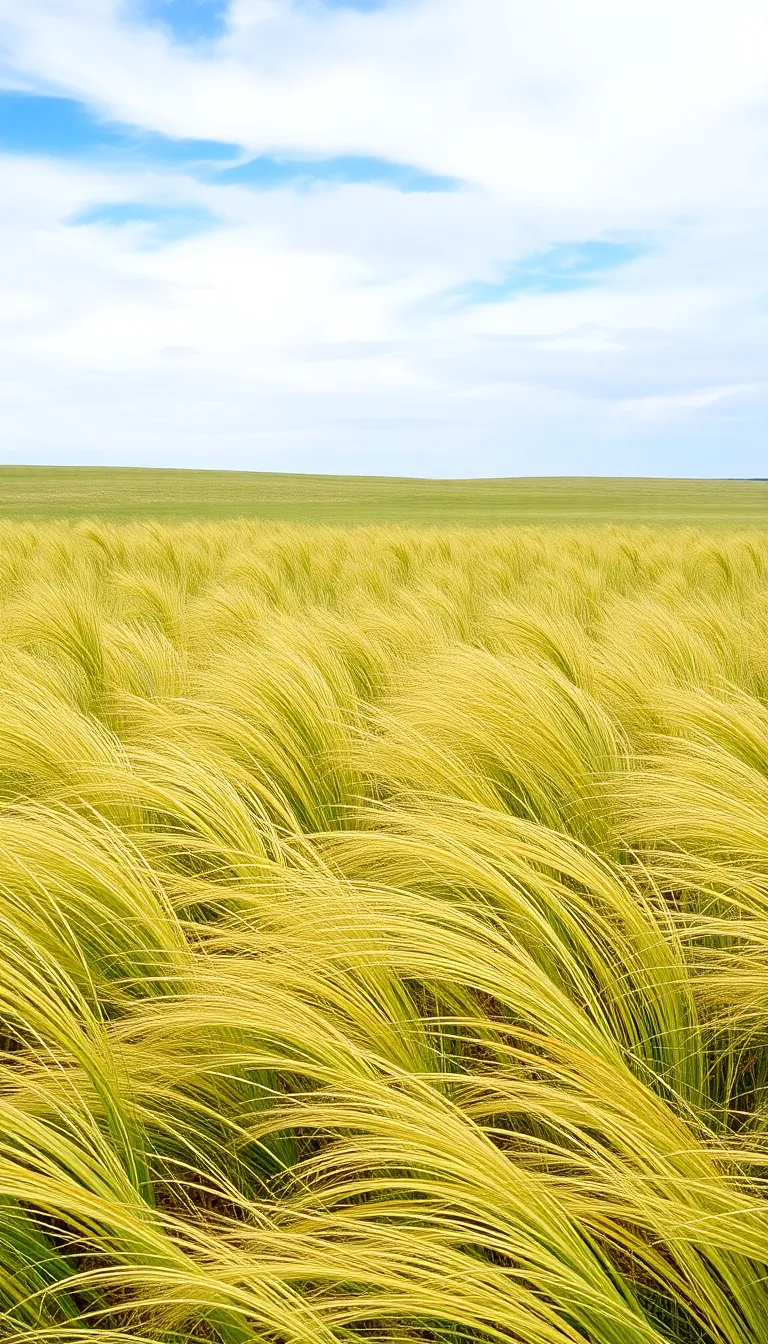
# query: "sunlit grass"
x,y
383,935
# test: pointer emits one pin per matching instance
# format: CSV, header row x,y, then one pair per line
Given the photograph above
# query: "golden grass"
x,y
384,935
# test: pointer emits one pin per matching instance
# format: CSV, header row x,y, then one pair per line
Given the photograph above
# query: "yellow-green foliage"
x,y
383,935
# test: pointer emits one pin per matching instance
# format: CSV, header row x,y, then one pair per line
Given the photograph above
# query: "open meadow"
x,y
383,934
173,495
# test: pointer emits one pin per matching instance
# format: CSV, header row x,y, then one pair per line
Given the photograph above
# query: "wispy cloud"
x,y
268,172
152,224
676,404
32,123
560,269
364,6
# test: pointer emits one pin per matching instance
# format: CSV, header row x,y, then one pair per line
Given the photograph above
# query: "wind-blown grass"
x,y
383,935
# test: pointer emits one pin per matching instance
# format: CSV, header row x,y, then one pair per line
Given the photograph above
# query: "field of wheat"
x,y
383,935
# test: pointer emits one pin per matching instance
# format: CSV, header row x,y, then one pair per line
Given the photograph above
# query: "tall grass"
x,y
383,935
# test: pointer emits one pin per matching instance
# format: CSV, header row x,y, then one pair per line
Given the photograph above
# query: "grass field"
x,y
383,935
118,493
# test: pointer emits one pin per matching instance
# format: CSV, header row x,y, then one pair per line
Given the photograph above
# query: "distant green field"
x,y
122,493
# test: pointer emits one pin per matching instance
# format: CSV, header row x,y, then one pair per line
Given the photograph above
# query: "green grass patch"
x,y
123,493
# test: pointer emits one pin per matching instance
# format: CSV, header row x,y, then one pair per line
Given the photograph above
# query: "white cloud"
x,y
676,404
308,330
635,105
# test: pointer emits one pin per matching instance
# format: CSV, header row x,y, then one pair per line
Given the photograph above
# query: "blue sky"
x,y
47,125
455,237
193,21
186,20
64,127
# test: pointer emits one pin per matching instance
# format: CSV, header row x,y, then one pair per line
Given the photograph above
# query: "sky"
x,y
401,237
